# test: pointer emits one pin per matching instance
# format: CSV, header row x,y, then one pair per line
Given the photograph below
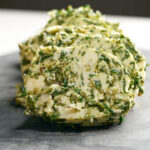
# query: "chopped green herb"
x,y
91,75
63,54
115,71
68,30
25,61
87,38
45,56
121,119
82,79
77,90
58,92
54,116
98,84
104,58
65,82
110,110
83,53
23,92
124,85
92,93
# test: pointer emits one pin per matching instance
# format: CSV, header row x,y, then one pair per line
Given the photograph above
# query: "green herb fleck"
x,y
114,71
87,38
98,84
68,30
110,110
23,92
82,79
57,92
104,58
77,90
65,83
91,75
83,53
63,54
121,119
25,61
45,56
54,116
92,93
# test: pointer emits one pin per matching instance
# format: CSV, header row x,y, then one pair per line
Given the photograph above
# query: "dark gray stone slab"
x,y
20,132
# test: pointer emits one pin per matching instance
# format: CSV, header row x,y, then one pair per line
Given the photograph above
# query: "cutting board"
x,y
20,132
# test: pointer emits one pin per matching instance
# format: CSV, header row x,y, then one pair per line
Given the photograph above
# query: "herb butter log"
x,y
80,69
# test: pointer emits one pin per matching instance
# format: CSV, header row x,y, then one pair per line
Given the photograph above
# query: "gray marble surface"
x,y
19,132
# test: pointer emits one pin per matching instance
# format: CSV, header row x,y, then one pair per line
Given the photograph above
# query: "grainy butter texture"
x,y
80,69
